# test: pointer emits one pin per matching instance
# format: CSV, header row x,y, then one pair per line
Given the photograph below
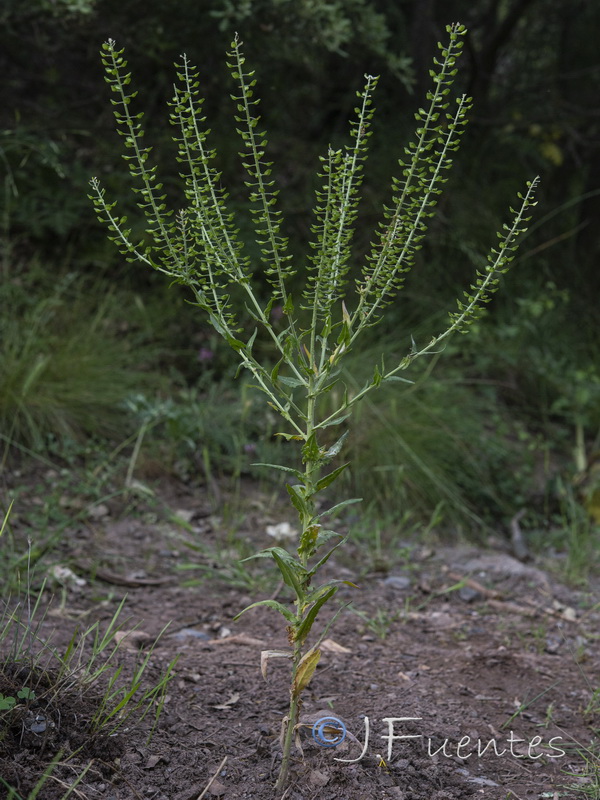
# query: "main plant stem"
x,y
311,474
292,721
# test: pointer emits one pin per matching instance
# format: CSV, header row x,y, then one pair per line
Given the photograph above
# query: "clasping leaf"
x,y
306,667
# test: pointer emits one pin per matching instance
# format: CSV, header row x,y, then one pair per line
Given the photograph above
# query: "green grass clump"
x,y
59,701
65,369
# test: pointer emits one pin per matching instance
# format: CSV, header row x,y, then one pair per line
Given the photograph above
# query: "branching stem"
x,y
202,250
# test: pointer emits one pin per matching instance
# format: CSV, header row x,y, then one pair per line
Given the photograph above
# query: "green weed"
x,y
587,776
226,564
311,333
380,622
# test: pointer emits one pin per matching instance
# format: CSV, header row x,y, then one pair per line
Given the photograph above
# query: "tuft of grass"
x,y
441,449
79,688
64,366
76,478
587,776
380,622
227,561
35,670
581,538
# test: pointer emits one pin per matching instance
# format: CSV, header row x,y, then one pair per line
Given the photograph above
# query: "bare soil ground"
x,y
483,669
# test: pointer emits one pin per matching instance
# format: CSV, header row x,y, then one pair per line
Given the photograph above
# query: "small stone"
x,y
191,633
477,780
318,778
468,595
217,789
39,724
99,511
398,582
133,640
67,577
281,532
552,645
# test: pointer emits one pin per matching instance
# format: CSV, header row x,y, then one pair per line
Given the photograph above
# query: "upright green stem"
x,y
311,476
203,251
292,720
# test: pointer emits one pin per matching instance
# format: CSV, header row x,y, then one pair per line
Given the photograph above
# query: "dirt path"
x,y
468,673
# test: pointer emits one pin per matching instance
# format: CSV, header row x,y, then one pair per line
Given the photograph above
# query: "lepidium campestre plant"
x,y
199,247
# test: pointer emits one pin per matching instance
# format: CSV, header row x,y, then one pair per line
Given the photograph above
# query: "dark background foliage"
x,y
532,67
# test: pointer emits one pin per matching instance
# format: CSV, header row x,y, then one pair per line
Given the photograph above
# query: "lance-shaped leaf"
x,y
333,421
304,628
298,499
327,555
281,467
337,506
325,536
289,615
234,343
335,448
292,571
324,482
293,383
314,595
306,667
308,541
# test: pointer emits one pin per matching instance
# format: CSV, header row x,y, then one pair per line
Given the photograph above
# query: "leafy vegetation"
x,y
534,84
523,384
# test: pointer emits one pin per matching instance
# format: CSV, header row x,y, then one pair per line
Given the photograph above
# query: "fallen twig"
x,y
211,781
475,585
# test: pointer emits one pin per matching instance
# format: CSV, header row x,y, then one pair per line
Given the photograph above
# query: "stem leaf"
x,y
289,615
298,499
292,572
306,667
327,555
337,506
304,628
293,383
266,655
281,467
324,482
335,448
335,421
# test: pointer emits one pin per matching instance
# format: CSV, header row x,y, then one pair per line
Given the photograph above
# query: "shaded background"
x,y
94,349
